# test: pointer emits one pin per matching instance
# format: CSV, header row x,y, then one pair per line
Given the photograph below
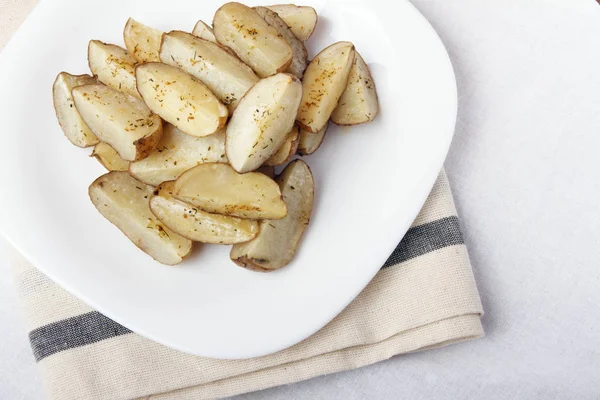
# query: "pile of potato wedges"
x,y
191,127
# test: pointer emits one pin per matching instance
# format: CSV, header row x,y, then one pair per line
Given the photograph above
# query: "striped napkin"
x,y
423,297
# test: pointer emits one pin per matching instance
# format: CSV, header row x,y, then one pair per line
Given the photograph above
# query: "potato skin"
x,y
88,139
115,117
176,153
240,28
252,136
250,264
148,143
290,144
186,103
218,189
203,31
325,80
218,67
306,146
277,241
148,52
116,164
299,60
195,224
302,20
119,73
120,183
359,103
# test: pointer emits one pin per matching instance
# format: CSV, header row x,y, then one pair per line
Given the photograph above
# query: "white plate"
x,y
370,182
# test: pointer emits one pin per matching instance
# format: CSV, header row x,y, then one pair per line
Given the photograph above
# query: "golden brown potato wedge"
x,y
302,20
123,200
120,120
68,117
203,31
113,65
224,74
109,158
176,153
324,82
358,103
262,120
197,225
217,188
254,41
286,151
142,42
310,142
299,53
180,99
276,244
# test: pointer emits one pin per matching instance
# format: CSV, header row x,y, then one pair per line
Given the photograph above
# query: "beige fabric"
x,y
440,203
42,300
424,302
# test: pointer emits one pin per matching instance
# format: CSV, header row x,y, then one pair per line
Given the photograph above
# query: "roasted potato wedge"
x,y
120,120
68,117
180,99
359,103
203,31
123,200
302,20
176,153
224,74
197,225
299,53
113,65
310,142
324,82
109,158
217,188
276,244
142,42
262,120
254,41
286,151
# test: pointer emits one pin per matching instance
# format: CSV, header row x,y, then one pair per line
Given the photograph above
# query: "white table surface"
x,y
525,168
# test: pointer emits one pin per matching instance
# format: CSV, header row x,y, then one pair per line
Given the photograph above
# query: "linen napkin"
x,y
424,297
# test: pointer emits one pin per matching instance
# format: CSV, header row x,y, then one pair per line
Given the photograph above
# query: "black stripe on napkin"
x,y
94,327
426,238
73,332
